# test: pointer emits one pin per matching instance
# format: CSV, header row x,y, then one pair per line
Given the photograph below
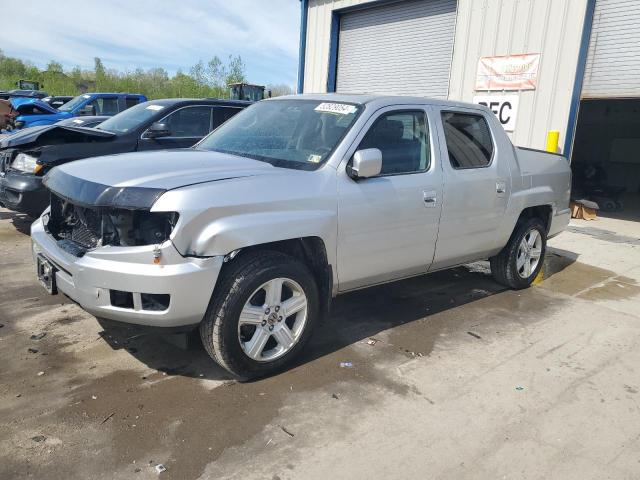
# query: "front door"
x,y
388,225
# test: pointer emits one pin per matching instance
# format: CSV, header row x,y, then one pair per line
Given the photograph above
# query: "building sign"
x,y
511,72
505,107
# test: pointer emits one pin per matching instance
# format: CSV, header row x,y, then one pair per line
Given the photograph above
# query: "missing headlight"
x,y
93,227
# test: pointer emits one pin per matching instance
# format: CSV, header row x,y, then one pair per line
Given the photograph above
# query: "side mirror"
x,y
366,163
158,130
87,110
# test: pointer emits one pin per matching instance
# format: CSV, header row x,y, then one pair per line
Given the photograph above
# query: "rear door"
x,y
388,225
476,187
187,126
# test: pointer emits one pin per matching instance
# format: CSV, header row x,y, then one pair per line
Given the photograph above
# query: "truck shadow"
x,y
21,221
356,317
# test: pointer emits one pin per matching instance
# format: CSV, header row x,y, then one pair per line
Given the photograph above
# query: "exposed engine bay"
x,y
78,228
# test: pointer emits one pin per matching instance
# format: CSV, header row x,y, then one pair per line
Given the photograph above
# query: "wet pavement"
x,y
451,376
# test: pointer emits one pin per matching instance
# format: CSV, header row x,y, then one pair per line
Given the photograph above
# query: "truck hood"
x,y
21,103
137,180
17,102
69,134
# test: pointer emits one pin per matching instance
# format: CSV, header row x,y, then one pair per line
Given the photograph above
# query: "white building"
x,y
583,59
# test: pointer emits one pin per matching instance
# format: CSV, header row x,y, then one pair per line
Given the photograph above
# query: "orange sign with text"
x,y
510,72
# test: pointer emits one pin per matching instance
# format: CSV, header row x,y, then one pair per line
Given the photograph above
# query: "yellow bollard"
x,y
553,139
539,278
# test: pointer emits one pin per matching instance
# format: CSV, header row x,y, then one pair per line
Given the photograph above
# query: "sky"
x,y
172,34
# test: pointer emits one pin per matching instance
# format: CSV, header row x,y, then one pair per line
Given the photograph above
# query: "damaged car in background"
x,y
249,235
33,112
27,155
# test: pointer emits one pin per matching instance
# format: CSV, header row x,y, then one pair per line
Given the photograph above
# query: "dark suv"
x,y
159,124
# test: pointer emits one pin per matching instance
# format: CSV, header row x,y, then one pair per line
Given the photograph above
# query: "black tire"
x,y
245,274
503,265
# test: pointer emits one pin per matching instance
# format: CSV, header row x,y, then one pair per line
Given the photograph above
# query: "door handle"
x,y
501,187
430,199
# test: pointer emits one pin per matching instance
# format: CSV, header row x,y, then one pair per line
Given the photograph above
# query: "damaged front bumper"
x,y
145,285
23,192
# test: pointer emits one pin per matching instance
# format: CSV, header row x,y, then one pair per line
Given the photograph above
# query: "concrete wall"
x,y
486,28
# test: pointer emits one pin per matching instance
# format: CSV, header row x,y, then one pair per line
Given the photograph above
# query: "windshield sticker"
x,y
156,108
313,158
77,121
336,108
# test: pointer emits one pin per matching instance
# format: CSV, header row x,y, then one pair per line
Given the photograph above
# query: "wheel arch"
x,y
543,212
311,251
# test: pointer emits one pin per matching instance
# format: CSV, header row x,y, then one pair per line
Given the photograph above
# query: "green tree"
x,y
280,89
235,70
203,80
216,73
54,67
100,73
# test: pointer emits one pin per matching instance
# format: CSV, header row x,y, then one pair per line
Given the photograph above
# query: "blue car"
x,y
33,112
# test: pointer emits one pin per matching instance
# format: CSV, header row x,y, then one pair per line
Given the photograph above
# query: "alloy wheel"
x,y
529,253
273,319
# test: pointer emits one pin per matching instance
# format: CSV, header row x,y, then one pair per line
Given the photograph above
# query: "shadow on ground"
x,y
21,221
355,317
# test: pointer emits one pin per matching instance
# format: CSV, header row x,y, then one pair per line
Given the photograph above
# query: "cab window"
x,y
222,114
189,122
468,139
403,139
131,101
105,106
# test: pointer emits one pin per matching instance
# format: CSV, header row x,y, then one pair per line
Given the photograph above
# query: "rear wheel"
x,y
520,261
261,314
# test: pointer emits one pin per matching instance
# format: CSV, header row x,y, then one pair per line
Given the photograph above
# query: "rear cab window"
x,y
131,101
222,114
469,141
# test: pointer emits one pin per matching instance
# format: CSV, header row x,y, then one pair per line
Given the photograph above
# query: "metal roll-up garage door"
x,y
613,63
403,48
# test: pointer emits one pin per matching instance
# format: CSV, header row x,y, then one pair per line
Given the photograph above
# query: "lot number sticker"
x,y
336,108
505,107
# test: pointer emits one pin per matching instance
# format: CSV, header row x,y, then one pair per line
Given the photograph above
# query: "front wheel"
x,y
261,314
519,262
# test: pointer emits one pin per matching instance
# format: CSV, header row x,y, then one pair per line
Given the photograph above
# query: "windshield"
x,y
71,104
286,133
131,118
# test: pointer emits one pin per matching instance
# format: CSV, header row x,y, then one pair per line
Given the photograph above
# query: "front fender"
x,y
224,235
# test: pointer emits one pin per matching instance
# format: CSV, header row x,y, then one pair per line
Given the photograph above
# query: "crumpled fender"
x,y
230,233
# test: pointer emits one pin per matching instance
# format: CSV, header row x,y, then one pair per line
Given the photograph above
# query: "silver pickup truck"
x,y
250,234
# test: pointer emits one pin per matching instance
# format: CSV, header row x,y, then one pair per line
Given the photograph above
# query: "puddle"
x,y
575,278
614,289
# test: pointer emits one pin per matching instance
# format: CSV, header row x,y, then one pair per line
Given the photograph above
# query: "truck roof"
x,y
112,94
208,101
382,100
